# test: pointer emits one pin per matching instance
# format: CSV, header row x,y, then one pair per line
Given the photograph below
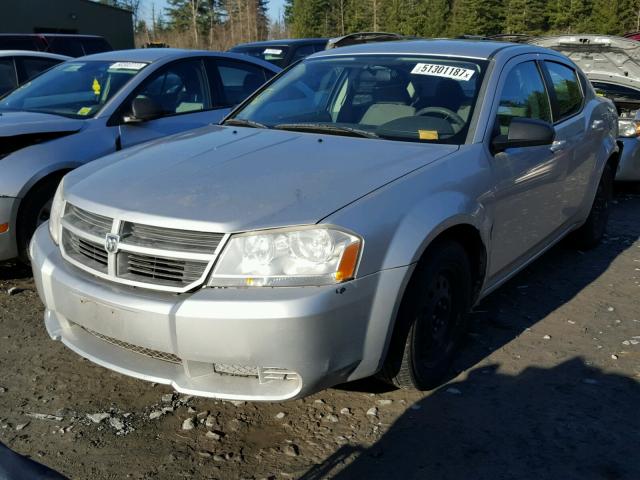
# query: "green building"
x,y
68,16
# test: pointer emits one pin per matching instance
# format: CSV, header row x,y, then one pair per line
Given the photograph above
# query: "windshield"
x,y
73,89
275,55
417,99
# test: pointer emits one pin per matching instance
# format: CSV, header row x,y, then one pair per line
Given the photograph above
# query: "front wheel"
x,y
590,234
34,211
431,320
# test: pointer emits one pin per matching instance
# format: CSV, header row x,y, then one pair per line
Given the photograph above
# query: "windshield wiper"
x,y
241,122
324,128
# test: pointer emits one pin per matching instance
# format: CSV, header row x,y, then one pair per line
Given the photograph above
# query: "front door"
x,y
182,91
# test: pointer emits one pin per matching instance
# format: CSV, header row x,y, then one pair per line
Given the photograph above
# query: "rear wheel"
x,y
431,320
34,211
590,234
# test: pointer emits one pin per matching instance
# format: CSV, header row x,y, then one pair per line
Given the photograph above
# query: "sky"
x,y
276,7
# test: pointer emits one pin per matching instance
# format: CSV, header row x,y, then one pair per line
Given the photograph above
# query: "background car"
x,y
612,65
63,44
86,108
364,37
282,52
18,66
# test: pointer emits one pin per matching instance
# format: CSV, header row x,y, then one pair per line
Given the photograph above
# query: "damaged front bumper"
x,y
266,344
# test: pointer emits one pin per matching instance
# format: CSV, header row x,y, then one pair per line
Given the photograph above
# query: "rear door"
x,y
183,91
577,142
233,81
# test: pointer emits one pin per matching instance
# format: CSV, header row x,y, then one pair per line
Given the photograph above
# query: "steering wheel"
x,y
445,113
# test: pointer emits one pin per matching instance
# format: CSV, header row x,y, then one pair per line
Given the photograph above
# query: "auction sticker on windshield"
x,y
272,51
127,66
447,71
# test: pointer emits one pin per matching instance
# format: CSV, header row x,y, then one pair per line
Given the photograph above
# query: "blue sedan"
x,y
86,108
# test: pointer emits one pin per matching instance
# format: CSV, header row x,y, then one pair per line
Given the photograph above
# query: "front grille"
x,y
147,352
170,238
85,251
91,223
148,256
159,270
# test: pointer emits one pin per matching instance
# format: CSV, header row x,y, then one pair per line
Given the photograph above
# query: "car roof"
x,y
151,55
283,41
478,49
69,35
32,53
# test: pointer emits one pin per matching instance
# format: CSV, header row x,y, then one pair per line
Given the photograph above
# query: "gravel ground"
x,y
547,387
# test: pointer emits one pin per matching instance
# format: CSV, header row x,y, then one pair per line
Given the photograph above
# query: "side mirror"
x,y
524,132
143,109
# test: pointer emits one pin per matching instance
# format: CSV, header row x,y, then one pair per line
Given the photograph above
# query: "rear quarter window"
x,y
567,90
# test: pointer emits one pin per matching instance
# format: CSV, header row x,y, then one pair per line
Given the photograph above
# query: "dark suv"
x,y
282,52
69,45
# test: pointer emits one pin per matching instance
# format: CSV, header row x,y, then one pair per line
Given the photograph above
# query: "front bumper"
x,y
8,246
629,166
320,335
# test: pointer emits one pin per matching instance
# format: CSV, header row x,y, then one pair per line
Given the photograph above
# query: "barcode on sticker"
x,y
447,71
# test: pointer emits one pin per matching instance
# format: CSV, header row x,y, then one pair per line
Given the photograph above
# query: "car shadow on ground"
x,y
570,422
547,284
14,271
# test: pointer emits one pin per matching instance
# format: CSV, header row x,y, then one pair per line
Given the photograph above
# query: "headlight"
x,y
57,208
628,128
288,257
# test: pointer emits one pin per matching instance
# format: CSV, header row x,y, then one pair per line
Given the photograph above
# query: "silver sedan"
x,y
88,107
339,224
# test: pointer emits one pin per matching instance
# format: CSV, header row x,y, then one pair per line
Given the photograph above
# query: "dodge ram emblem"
x,y
111,242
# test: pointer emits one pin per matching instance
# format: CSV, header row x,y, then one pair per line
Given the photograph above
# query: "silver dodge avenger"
x,y
339,224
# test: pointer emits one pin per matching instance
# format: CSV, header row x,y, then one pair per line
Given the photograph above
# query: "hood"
x,y
20,123
602,58
227,179
22,129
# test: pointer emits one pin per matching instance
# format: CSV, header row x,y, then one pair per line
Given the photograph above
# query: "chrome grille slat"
x,y
170,239
86,221
148,256
165,268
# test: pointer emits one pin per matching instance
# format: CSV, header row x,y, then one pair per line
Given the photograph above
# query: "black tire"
x,y
431,319
34,210
590,234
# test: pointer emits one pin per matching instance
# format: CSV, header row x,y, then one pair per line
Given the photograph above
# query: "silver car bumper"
x,y
629,166
250,344
8,247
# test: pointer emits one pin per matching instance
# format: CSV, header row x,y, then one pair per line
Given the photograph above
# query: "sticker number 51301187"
x,y
448,71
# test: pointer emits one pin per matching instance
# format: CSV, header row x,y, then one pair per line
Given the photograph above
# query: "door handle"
x,y
558,145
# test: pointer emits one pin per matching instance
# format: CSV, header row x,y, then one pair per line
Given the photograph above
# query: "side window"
x,y
178,88
237,80
567,89
65,46
8,79
303,52
523,96
29,67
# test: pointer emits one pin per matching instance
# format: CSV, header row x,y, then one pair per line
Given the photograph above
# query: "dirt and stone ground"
x,y
547,387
